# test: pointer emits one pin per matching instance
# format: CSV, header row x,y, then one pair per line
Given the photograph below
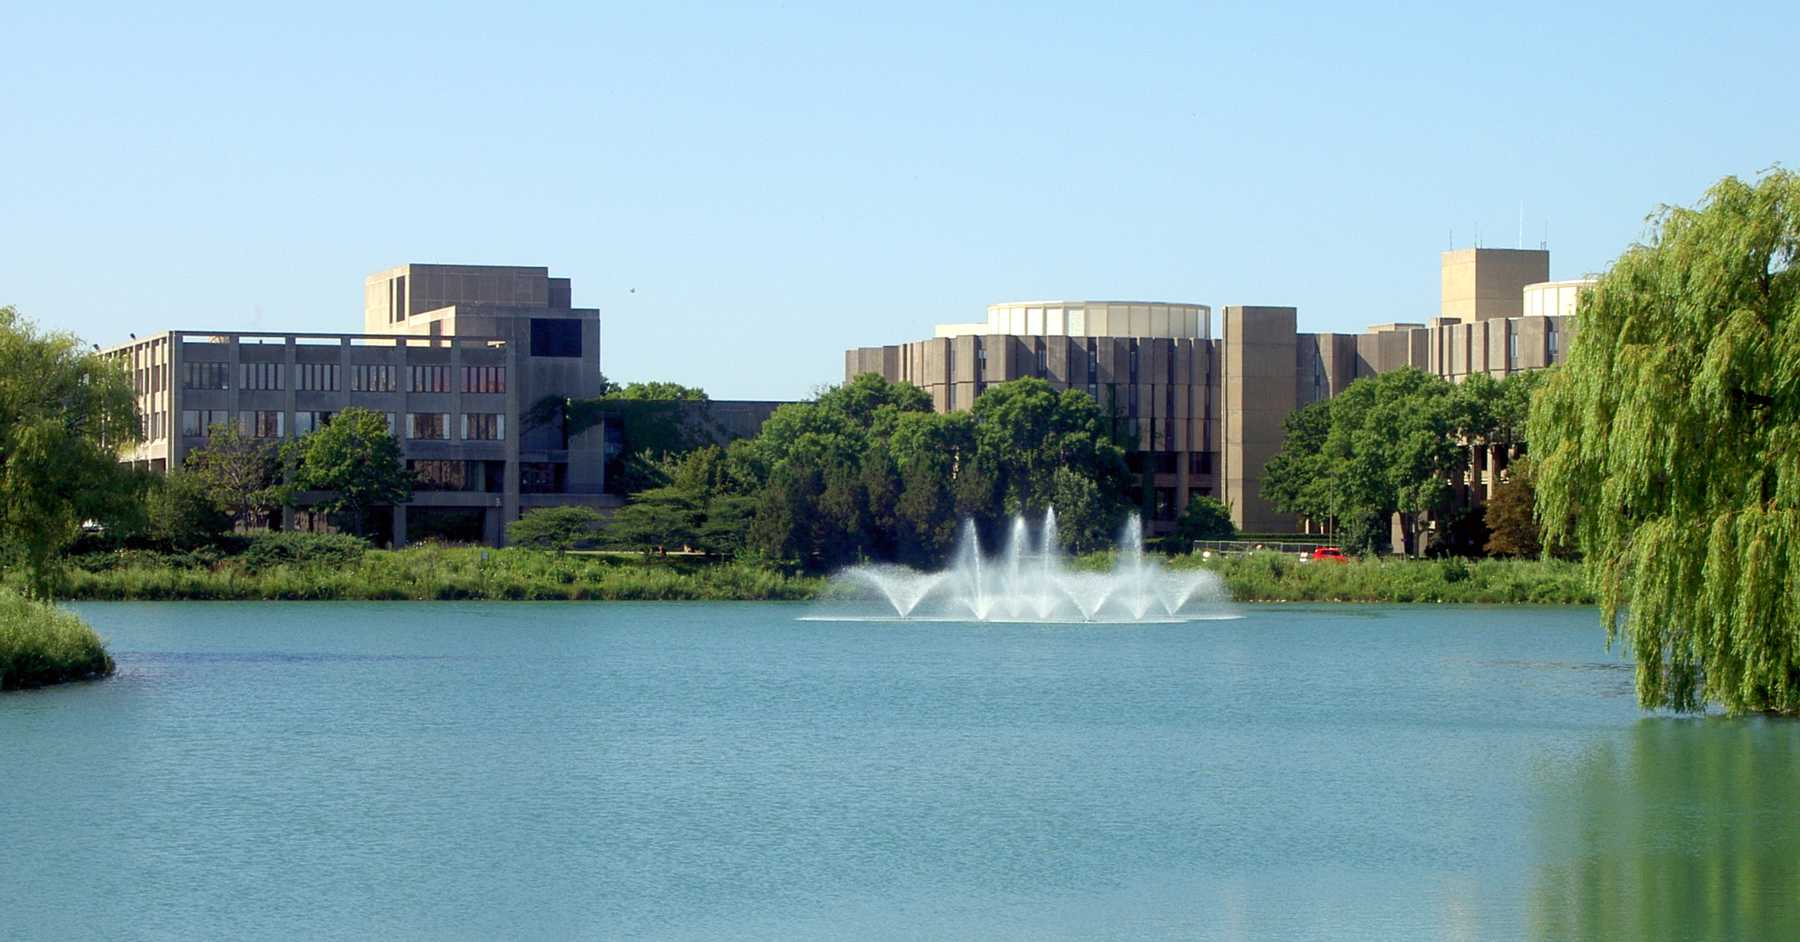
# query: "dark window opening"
x,y
555,337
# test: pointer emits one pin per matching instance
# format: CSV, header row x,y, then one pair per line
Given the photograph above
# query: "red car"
x,y
1331,553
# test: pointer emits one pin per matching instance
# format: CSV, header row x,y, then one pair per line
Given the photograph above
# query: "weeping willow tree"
x,y
1669,450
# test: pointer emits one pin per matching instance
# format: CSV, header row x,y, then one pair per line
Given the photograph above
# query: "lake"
x,y
705,771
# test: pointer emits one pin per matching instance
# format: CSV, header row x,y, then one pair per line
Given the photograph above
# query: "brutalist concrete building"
x,y
1206,414
453,355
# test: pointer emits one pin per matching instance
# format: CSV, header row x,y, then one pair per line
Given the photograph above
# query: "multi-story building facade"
x,y
1151,365
1206,414
453,355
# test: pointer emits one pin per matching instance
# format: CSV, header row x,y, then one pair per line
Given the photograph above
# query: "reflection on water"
x,y
1688,830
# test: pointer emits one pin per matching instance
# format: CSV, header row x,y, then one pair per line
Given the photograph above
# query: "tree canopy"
x,y
867,470
555,528
354,460
240,473
1668,448
64,416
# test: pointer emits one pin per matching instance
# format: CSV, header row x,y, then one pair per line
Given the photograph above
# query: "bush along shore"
x,y
41,644
1272,577
305,566
308,566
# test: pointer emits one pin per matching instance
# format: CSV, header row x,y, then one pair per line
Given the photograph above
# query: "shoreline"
x,y
436,573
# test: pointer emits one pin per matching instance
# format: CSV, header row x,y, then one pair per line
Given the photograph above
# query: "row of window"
x,y
150,379
323,377
153,426
272,423
476,426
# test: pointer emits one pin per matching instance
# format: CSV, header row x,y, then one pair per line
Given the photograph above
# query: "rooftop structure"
x,y
1206,415
453,355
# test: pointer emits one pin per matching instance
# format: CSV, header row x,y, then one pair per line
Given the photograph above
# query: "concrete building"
x,y
1160,388
453,355
1206,414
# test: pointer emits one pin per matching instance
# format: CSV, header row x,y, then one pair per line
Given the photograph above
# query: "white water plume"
x,y
1030,580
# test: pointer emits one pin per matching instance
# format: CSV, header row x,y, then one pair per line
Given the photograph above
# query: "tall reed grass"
x,y
1273,577
428,572
440,572
41,644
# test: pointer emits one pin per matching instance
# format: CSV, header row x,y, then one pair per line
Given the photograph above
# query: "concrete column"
x,y
399,526
509,498
1493,470
492,529
176,368
290,378
1257,386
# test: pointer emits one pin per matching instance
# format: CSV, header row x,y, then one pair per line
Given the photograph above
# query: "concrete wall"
x,y
1477,284
1258,392
448,316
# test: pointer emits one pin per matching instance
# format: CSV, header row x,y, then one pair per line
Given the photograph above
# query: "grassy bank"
x,y
1270,577
41,644
277,570
429,572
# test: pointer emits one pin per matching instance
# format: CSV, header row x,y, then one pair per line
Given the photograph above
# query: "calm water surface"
x,y
727,771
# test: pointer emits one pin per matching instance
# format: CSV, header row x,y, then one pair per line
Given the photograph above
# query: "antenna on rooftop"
x,y
1478,235
1545,245
1521,224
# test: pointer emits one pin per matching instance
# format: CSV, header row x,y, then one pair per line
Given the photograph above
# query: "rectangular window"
x,y
1555,345
484,379
206,376
429,426
262,423
371,377
259,376
317,377
537,477
439,475
305,422
429,379
1512,350
555,337
483,427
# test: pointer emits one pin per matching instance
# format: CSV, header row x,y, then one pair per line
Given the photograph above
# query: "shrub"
x,y
41,644
183,513
267,550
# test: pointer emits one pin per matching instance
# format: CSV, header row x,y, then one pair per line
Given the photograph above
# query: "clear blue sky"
x,y
779,183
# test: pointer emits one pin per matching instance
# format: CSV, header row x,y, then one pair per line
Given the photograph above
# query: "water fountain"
x,y
1030,580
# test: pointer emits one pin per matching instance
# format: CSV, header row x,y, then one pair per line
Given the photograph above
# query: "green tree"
x,y
784,522
1390,450
555,528
1206,518
1025,430
657,390
724,529
660,518
64,416
1085,519
1299,479
354,460
182,511
240,472
1668,448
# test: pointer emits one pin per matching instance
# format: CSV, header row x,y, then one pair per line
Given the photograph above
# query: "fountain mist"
x,y
1030,580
